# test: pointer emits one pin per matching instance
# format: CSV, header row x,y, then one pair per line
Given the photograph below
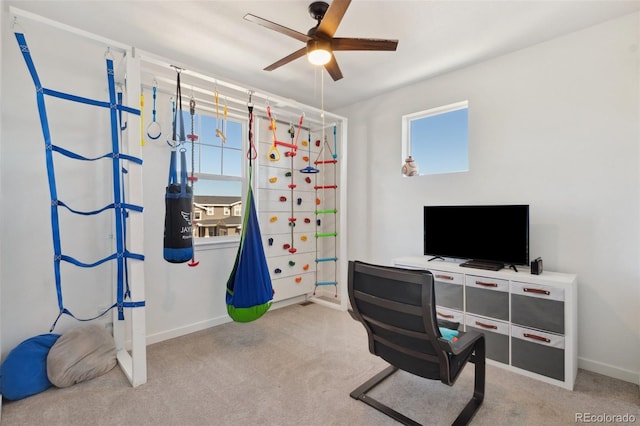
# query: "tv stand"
x,y
483,264
530,322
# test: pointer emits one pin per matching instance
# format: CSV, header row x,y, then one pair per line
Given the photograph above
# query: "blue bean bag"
x,y
24,371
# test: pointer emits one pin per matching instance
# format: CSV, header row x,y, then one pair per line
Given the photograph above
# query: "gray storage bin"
x,y
488,297
538,352
449,290
496,335
538,307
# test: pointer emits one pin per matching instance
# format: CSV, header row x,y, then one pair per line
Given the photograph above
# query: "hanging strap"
x,y
179,138
173,172
178,134
252,153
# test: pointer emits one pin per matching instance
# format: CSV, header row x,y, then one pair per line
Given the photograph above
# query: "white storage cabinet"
x,y
529,321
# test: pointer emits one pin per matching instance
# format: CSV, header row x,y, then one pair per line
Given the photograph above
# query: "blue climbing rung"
x,y
326,259
327,283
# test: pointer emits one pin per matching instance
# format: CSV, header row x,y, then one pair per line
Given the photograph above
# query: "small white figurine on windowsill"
x,y
410,168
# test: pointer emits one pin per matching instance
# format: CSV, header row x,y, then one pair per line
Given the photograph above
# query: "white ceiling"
x,y
434,37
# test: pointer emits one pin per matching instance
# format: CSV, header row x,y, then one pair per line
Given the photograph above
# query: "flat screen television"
x,y
490,234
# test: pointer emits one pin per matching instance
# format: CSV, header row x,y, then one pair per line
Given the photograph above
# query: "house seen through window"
x,y
438,139
218,165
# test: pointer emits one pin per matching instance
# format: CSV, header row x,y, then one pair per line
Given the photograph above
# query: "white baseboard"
x,y
186,329
212,322
609,370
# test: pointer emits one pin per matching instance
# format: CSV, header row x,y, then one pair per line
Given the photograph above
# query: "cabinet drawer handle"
x,y
536,337
486,284
490,326
444,277
444,315
536,290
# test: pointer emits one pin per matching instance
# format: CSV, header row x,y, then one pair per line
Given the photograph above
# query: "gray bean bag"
x,y
81,354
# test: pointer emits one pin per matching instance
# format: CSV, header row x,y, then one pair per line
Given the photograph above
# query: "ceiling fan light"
x,y
318,53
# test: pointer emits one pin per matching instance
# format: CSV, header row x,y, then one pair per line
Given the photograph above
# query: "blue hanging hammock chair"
x,y
249,289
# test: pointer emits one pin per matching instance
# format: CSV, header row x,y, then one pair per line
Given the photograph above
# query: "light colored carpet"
x,y
297,366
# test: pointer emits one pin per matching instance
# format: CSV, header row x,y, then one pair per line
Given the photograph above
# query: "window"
x,y
438,139
237,210
218,167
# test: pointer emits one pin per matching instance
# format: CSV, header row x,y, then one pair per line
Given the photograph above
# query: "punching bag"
x,y
178,230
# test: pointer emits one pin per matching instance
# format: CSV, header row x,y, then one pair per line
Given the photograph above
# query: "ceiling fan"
x,y
320,42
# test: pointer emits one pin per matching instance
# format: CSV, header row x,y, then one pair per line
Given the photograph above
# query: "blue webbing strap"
x,y
75,156
24,49
109,206
173,173
119,206
183,171
117,197
87,101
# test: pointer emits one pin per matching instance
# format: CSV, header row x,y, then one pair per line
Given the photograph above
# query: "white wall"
x,y
179,299
554,126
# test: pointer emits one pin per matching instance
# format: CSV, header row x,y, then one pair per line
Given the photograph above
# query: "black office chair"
x,y
397,308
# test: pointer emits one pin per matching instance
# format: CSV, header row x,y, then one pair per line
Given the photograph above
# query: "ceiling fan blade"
x,y
295,55
333,16
333,69
277,27
363,44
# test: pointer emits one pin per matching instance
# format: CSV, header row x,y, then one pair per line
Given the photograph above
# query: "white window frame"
x,y
209,243
406,128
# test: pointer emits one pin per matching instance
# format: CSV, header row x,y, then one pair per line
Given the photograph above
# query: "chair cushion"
x,y
81,354
448,324
448,334
24,371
